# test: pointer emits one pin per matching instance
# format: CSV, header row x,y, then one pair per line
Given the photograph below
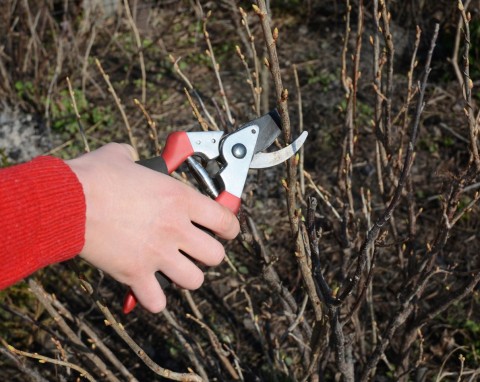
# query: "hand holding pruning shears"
x,y
151,233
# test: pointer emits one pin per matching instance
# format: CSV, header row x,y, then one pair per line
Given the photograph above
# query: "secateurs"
x,y
234,154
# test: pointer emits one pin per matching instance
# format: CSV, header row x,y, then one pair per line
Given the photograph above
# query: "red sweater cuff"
x,y
42,217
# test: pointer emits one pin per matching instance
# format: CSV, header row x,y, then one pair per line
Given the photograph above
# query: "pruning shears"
x,y
234,154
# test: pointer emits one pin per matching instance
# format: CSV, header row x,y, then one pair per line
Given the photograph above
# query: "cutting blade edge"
x,y
269,129
264,160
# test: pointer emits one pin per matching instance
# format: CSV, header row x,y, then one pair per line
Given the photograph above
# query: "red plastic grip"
x,y
129,302
230,201
177,149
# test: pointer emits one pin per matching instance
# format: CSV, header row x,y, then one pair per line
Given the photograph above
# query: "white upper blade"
x,y
264,160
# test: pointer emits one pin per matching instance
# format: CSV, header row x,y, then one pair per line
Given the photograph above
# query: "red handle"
x,y
177,149
129,302
230,201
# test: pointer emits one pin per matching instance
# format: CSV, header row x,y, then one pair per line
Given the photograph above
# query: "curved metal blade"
x,y
264,160
269,125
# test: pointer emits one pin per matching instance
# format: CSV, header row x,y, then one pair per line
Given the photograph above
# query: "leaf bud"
x,y
266,62
275,34
257,10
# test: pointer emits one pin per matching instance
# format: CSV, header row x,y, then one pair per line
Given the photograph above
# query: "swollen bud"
x,y
266,62
275,34
257,10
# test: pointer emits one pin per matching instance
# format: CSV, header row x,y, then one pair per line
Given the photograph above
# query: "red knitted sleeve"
x,y
42,217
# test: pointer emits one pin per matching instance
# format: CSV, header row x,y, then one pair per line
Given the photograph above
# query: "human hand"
x,y
139,220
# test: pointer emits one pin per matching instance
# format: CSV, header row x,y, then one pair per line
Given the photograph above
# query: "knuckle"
x,y
226,221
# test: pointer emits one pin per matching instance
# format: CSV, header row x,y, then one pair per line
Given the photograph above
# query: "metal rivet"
x,y
239,151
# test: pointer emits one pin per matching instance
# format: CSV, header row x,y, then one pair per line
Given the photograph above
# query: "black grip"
x,y
156,163
163,280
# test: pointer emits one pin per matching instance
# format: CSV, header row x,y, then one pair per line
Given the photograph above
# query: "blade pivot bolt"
x,y
239,151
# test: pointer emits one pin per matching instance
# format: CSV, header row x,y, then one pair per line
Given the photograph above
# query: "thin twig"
x,y
152,125
217,347
42,358
305,263
385,15
23,366
138,41
192,354
119,329
53,82
256,63
322,195
87,55
111,89
191,89
468,86
253,88
216,70
196,113
41,295
77,116
300,130
93,338
456,48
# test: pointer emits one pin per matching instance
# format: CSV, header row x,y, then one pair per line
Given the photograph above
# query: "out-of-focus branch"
x,y
122,333
77,116
345,170
254,56
374,231
300,130
468,86
138,42
456,47
216,70
22,366
43,358
151,124
217,347
385,16
273,64
40,294
191,352
112,91
191,89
